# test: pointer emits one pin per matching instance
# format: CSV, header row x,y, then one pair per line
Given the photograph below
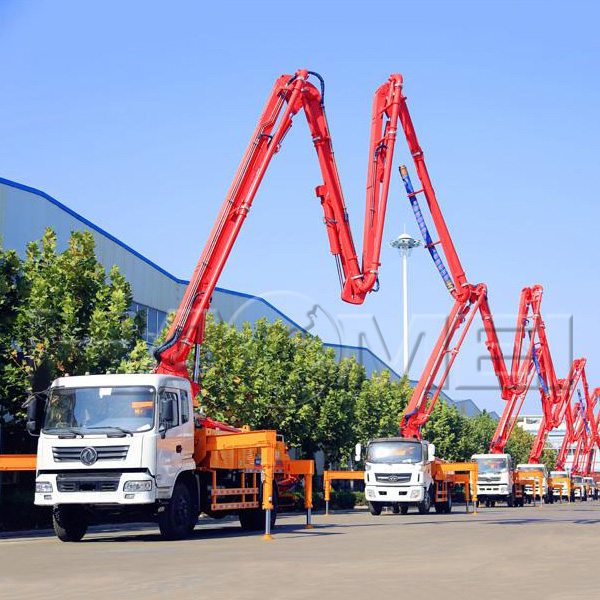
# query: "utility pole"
x,y
405,243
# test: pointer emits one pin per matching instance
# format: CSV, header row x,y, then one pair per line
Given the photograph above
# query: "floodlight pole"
x,y
405,243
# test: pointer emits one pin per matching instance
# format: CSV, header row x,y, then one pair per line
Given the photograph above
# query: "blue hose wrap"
x,y
539,371
425,232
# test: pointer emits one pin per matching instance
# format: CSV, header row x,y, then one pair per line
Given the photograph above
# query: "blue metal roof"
x,y
177,280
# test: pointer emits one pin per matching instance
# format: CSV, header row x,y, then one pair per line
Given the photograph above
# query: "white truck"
x,y
579,488
547,497
591,487
401,472
123,447
495,480
561,485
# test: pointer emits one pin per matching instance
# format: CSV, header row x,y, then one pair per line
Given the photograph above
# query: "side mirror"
x,y
431,452
35,414
358,452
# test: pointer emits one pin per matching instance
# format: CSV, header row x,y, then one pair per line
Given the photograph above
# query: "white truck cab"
x,y
495,479
560,489
591,487
546,496
113,442
398,474
579,489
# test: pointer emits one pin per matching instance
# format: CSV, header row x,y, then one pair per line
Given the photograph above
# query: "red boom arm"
x,y
291,94
468,300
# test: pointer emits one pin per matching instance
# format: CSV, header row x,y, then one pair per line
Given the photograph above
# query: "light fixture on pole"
x,y
405,243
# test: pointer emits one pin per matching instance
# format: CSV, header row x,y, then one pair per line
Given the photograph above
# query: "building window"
x,y
153,320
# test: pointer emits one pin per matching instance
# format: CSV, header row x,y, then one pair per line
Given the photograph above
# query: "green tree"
x,y
69,318
446,428
379,407
13,290
262,377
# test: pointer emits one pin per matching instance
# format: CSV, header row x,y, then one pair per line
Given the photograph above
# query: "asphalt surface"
x,y
531,552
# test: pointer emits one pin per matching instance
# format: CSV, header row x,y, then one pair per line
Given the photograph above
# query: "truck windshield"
x,y
124,408
577,479
491,465
394,452
532,468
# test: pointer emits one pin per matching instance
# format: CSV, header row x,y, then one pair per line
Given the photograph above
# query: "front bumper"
x,y
394,493
118,496
492,489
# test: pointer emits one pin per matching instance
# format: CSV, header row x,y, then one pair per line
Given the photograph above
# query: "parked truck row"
x,y
115,444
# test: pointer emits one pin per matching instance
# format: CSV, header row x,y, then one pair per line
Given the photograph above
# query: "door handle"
x,y
178,448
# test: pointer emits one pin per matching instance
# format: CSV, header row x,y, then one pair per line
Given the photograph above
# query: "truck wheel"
x,y
70,522
404,509
396,509
425,506
448,505
375,508
510,500
175,520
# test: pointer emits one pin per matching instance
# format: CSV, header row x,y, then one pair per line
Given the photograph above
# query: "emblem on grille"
x,y
393,478
88,456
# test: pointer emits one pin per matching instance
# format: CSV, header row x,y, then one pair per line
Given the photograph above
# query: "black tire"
x,y
254,519
70,522
175,520
404,509
396,509
510,500
448,505
375,508
425,506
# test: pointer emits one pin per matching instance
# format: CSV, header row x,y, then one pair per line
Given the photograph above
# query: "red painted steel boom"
x,y
556,402
581,430
291,94
530,350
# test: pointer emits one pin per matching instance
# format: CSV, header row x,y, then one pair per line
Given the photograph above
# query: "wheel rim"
x,y
181,513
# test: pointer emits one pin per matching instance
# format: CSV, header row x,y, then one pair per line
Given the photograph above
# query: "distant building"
x,y
26,212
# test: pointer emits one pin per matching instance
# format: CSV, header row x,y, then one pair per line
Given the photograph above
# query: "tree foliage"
x,y
262,377
59,315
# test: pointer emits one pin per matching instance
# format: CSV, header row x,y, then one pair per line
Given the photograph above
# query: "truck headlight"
x,y
415,494
137,486
43,487
370,493
367,467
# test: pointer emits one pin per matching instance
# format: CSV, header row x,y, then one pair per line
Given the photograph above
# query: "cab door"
x,y
171,438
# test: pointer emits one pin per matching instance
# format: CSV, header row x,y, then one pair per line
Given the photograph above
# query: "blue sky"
x,y
136,114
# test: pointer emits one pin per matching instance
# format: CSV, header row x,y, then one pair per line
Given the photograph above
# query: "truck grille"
x,y
392,477
73,453
88,482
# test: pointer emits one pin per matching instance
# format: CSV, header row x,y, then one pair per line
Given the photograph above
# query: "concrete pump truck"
x,y
135,445
403,471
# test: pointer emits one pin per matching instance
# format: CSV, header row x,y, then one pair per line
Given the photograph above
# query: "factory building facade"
x,y
26,212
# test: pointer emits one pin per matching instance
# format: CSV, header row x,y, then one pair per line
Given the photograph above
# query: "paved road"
x,y
532,552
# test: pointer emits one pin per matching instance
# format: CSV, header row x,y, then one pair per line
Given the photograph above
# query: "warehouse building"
x,y
26,212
